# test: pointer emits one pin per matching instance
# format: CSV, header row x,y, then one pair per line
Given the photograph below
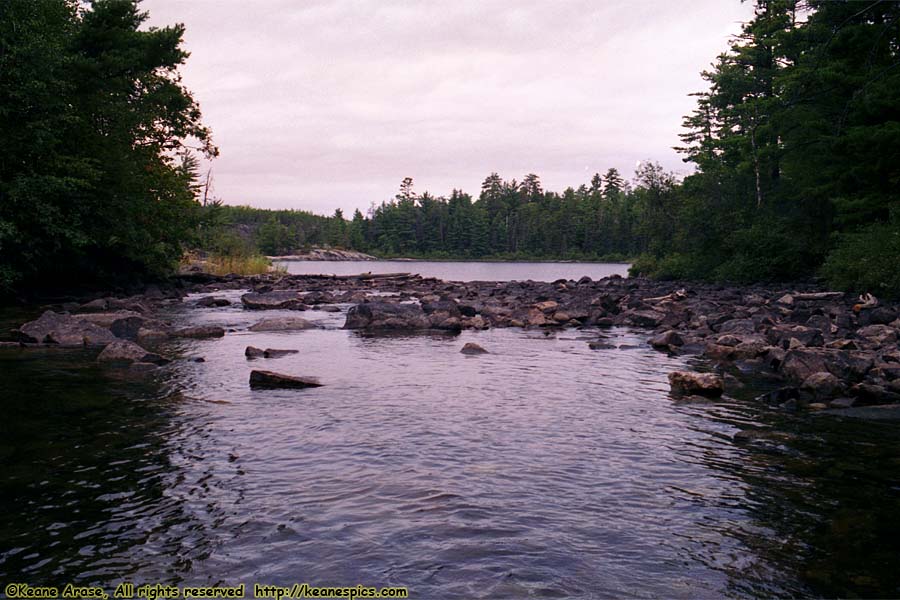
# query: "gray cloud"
x,y
317,105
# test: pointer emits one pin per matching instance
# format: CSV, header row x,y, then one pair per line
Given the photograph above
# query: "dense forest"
x,y
795,147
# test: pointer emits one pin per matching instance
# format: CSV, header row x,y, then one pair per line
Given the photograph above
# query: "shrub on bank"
x,y
867,261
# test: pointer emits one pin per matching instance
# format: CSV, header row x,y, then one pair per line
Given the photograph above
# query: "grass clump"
x,y
253,264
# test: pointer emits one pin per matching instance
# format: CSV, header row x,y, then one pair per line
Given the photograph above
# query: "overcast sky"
x,y
323,104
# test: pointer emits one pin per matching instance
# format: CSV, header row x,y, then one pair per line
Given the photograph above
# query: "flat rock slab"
x,y
282,324
271,380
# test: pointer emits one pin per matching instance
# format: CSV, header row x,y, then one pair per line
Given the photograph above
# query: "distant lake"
x,y
462,271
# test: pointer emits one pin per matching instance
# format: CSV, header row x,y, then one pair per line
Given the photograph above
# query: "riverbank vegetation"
x,y
795,147
98,145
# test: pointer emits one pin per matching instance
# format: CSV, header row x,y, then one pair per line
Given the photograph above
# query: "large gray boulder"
x,y
386,315
64,330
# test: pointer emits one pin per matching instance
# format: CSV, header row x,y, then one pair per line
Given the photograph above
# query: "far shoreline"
x,y
301,258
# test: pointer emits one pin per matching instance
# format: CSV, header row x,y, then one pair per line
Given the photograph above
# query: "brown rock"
x,y
701,384
272,380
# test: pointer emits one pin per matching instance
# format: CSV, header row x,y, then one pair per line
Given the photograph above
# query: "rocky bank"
x,y
827,349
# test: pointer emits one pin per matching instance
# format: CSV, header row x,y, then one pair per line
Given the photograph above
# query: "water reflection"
x,y
543,468
461,270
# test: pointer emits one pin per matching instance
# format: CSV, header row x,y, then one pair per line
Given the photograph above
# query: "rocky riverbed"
x,y
822,350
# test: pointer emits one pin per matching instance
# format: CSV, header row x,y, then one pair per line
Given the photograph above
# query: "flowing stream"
x,y
543,469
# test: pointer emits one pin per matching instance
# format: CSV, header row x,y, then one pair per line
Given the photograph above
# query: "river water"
x,y
461,271
544,469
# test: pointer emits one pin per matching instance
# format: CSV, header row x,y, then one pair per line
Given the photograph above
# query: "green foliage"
x,y
96,181
867,260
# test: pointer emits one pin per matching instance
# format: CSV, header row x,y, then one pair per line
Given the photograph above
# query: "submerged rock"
x,y
701,384
473,348
282,324
212,301
272,380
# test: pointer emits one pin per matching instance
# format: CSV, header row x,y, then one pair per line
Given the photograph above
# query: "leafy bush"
x,y
867,261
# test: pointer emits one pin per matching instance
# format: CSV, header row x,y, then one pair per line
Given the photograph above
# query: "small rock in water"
x,y
472,348
210,301
601,346
703,384
254,352
271,380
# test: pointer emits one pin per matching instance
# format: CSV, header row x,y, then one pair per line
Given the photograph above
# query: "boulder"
x,y
106,319
129,327
386,315
882,315
200,332
254,352
868,393
547,306
878,334
284,299
666,340
737,326
822,385
800,363
781,335
271,380
64,330
211,301
127,352
443,314
473,348
643,318
98,305
282,324
701,384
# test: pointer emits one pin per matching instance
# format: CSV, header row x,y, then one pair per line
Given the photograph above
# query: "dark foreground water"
x,y
542,470
460,270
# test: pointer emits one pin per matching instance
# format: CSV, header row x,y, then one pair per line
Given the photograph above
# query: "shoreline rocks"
x,y
799,334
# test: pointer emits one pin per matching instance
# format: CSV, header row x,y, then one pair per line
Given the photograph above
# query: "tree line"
x,y
795,147
99,142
